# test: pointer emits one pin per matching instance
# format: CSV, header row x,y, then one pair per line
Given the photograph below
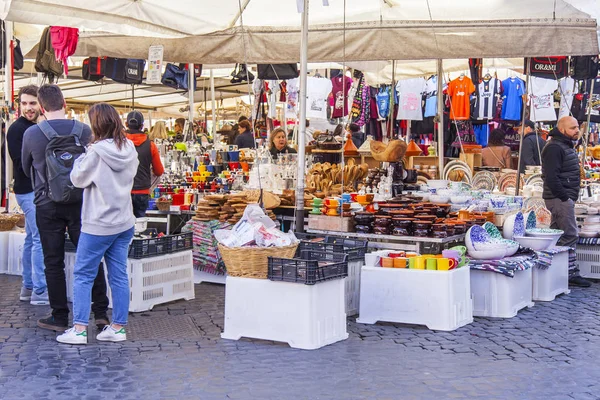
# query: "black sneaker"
x,y
579,281
101,322
52,324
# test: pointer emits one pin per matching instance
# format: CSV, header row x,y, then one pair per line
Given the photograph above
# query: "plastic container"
x,y
181,242
4,236
304,316
438,299
16,241
497,295
141,224
552,281
588,258
312,267
159,280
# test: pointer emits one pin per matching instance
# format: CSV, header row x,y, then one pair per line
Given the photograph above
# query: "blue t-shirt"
x,y
383,102
512,104
431,97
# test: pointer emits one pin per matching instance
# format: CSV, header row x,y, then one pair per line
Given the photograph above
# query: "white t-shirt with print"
x,y
410,93
291,108
567,91
541,99
317,90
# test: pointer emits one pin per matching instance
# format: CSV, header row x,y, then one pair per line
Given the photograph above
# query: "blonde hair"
x,y
274,133
159,131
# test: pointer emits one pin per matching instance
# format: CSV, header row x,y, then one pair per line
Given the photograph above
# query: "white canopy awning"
x,y
208,31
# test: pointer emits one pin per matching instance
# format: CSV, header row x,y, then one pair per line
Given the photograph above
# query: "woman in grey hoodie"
x,y
106,173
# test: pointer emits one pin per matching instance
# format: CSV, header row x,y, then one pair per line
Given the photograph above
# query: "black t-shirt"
x,y
15,144
285,150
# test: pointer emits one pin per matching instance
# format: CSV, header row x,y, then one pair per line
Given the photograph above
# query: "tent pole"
x,y
302,128
518,183
440,114
390,128
191,90
133,97
213,106
586,132
8,101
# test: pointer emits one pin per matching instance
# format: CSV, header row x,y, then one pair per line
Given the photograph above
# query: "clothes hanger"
x,y
462,76
487,76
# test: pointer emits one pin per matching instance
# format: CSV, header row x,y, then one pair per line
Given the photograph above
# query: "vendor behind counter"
x,y
278,143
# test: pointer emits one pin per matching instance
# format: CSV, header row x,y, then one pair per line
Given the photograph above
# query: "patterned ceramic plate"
x,y
484,180
535,180
534,203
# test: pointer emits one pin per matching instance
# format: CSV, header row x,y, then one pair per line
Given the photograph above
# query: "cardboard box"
x,y
327,223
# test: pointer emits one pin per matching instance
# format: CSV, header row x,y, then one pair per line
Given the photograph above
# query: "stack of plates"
x,y
457,166
535,180
508,180
484,180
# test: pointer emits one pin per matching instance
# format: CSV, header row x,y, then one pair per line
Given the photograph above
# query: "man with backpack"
x,y
149,159
34,280
49,151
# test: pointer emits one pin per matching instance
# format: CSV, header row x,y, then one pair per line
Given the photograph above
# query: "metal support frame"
x,y
302,120
527,84
440,116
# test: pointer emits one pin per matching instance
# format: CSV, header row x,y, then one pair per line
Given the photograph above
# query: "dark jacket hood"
x,y
555,134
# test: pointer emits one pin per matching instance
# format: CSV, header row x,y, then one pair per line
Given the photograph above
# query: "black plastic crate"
x,y
151,247
355,249
313,267
181,242
309,236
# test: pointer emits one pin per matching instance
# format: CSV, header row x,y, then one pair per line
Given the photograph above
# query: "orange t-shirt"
x,y
460,91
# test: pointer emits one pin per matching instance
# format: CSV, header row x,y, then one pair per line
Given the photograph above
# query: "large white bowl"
x,y
492,254
511,247
439,199
460,199
554,235
508,227
536,243
438,183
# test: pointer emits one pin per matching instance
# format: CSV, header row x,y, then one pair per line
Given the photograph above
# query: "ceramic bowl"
x,y
439,199
437,184
511,247
513,225
459,199
492,230
491,254
592,210
536,243
530,220
478,239
555,234
588,234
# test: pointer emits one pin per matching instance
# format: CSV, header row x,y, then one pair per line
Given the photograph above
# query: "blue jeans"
x,y
33,257
90,250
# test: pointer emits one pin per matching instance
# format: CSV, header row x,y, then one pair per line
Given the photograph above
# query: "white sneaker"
x,y
71,336
110,334
25,294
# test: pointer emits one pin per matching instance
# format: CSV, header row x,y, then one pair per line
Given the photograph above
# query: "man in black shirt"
x,y
532,147
34,280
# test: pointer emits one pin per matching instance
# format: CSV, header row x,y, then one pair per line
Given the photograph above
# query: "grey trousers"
x,y
563,218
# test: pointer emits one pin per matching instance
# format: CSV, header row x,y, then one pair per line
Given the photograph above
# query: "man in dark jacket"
x,y
532,147
560,171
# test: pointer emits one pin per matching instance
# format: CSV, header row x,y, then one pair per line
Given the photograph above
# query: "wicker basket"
x,y
253,262
8,221
164,205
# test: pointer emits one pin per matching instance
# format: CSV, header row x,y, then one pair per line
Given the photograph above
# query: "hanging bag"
x,y
176,77
547,67
125,70
585,67
277,71
64,42
93,68
45,61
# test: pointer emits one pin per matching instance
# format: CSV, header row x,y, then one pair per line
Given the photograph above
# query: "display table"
x,y
408,243
441,300
166,217
551,274
15,241
305,316
208,265
500,288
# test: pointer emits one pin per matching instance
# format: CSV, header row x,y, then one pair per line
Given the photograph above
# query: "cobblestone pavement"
x,y
550,351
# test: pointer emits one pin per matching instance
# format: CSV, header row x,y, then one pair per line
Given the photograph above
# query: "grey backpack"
x,y
61,153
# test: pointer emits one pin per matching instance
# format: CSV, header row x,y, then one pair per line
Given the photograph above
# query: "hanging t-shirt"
x,y
272,87
340,93
567,90
317,91
383,102
488,93
291,109
541,99
512,100
594,98
410,92
460,91
431,97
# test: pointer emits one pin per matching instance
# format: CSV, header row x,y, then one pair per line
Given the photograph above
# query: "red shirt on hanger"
x,y
460,91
